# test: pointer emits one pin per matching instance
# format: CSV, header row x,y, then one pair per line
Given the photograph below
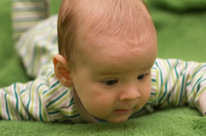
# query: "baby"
x,y
106,69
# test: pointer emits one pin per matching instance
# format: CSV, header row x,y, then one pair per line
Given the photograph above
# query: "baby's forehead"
x,y
104,51
127,24
112,17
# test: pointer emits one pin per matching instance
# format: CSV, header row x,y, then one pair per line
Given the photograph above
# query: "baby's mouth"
x,y
123,111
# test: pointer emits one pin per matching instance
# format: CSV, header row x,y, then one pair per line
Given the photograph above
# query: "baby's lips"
x,y
123,111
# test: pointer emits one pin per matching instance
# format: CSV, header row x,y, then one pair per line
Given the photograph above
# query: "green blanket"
x,y
181,29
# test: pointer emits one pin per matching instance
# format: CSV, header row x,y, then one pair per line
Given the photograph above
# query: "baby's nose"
x,y
130,93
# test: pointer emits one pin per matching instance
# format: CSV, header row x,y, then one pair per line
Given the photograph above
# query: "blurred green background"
x,y
11,68
181,31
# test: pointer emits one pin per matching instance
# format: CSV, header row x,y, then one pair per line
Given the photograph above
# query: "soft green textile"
x,y
181,29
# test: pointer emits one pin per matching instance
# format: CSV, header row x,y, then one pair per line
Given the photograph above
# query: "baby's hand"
x,y
202,103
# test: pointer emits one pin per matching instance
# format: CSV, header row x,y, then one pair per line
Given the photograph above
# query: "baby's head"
x,y
107,49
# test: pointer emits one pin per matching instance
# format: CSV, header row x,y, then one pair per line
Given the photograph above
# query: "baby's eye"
x,y
141,77
110,82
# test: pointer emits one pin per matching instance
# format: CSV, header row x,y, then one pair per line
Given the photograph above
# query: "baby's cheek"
x,y
102,106
145,92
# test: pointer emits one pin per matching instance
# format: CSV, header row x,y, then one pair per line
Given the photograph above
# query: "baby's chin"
x,y
117,120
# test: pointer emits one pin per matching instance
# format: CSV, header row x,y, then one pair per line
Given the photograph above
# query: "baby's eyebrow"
x,y
147,67
109,72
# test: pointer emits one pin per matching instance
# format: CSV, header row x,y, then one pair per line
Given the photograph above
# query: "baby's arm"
x,y
23,102
176,82
43,99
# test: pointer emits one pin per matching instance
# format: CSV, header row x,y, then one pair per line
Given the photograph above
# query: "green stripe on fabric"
x,y
71,102
199,85
192,75
195,84
10,108
24,94
32,98
73,116
66,117
54,112
177,93
40,116
156,85
198,93
17,102
57,98
176,69
153,68
153,93
51,88
6,105
69,113
173,77
31,94
182,88
161,85
165,92
16,97
177,83
29,98
181,92
45,114
153,80
50,73
193,92
199,70
168,97
21,105
44,111
169,64
58,103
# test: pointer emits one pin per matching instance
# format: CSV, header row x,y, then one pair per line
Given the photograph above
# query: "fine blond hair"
x,y
106,17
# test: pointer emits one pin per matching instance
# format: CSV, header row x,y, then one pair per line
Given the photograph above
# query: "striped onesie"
x,y
174,82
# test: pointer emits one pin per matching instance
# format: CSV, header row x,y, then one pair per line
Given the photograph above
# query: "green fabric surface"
x,y
181,30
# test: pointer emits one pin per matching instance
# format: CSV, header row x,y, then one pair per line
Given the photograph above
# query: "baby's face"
x,y
113,79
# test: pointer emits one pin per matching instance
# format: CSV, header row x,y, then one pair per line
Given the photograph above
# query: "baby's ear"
x,y
62,71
